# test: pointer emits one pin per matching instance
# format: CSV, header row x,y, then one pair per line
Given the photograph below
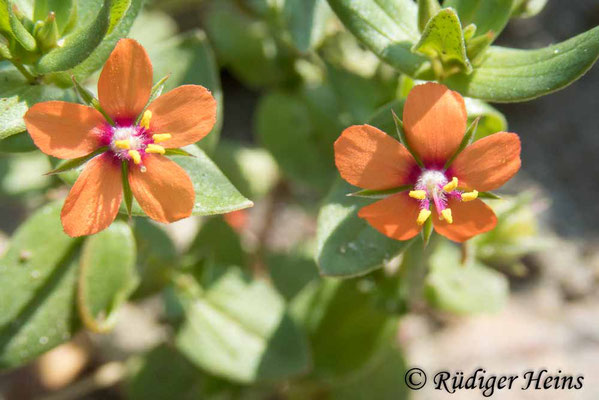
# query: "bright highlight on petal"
x,y
446,214
161,137
155,149
423,216
135,156
145,120
417,194
451,186
469,196
122,144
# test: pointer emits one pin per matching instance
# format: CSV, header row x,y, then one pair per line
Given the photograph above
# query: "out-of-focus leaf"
x,y
19,143
487,15
24,173
346,244
245,46
491,119
285,130
251,169
61,8
238,329
38,276
107,276
340,315
156,257
465,289
527,8
306,22
291,272
78,45
443,42
218,242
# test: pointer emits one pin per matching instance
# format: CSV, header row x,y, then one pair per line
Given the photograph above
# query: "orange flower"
x,y
435,123
178,118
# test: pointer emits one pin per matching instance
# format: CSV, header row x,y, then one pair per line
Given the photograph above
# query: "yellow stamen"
x,y
154,148
161,137
417,194
423,216
145,120
469,196
451,186
134,154
122,144
446,214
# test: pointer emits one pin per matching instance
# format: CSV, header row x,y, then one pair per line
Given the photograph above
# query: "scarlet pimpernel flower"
x,y
161,187
437,177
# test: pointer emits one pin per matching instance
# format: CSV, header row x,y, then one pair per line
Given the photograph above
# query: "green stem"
x,y
30,78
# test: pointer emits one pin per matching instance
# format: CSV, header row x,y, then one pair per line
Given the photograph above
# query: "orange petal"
x,y
368,158
188,113
126,81
435,122
488,163
394,216
164,191
94,199
469,219
64,130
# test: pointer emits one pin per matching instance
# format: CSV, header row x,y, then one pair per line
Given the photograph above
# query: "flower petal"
x,y
435,122
126,80
488,163
394,216
64,130
188,113
164,191
94,199
368,158
469,219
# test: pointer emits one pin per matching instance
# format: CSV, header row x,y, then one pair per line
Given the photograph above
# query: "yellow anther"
x,y
161,137
154,148
446,214
145,120
423,216
451,186
469,196
122,144
134,154
417,194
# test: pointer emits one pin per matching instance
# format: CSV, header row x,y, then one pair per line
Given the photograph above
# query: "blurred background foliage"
x,y
296,298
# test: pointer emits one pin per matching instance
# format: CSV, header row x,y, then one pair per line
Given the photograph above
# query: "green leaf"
x,y
348,245
291,272
61,8
443,42
101,52
512,75
340,315
378,194
10,24
464,289
156,257
426,10
466,141
107,276
238,329
75,162
217,242
491,120
387,27
487,15
127,193
306,21
118,8
78,45
38,276
251,169
18,143
23,173
18,96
